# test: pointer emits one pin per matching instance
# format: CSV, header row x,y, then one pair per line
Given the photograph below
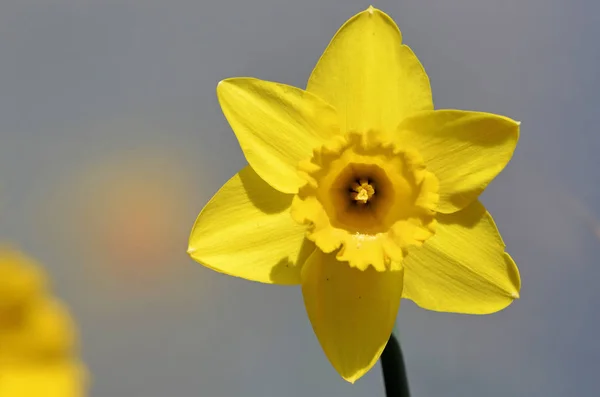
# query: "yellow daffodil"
x,y
44,332
37,335
62,379
362,193
21,281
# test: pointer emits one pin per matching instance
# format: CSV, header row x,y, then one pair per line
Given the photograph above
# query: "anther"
x,y
362,191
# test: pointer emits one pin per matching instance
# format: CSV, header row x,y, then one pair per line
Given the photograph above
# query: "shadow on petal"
x,y
254,185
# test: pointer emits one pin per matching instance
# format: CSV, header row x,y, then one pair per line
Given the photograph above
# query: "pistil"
x,y
362,191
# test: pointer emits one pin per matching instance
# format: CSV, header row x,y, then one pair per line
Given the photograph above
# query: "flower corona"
x,y
368,198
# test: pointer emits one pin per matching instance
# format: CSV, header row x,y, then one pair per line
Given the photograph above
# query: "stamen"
x,y
362,191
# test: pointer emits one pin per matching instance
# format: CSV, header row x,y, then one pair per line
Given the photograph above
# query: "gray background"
x,y
111,132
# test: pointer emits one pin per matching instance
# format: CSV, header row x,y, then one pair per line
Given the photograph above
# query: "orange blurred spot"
x,y
130,214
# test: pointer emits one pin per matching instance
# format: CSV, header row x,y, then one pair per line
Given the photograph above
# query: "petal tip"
x,y
357,374
516,128
220,86
225,83
513,274
371,12
350,380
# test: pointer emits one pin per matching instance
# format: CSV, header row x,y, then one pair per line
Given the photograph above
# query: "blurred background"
x,y
111,141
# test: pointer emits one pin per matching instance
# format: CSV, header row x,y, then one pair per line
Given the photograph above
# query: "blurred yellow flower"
x,y
37,335
43,332
21,281
362,193
47,380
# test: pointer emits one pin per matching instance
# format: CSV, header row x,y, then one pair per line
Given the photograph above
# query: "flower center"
x,y
362,191
368,198
11,316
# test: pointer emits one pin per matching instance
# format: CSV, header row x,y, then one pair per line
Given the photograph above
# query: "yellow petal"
x,y
352,311
246,231
64,379
277,126
369,76
45,331
21,280
463,268
465,150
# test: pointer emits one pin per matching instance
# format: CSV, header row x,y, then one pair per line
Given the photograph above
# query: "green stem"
x,y
394,371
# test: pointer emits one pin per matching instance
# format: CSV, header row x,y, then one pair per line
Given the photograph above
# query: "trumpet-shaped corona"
x,y
367,198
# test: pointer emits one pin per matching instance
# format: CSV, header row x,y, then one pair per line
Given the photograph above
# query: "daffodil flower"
x,y
360,192
62,379
37,335
43,332
21,281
